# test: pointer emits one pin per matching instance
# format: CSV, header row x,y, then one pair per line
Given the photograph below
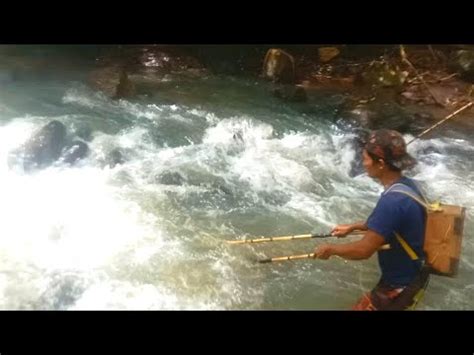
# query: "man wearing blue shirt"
x,y
397,220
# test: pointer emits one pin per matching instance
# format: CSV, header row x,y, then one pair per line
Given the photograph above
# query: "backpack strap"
x,y
408,249
420,198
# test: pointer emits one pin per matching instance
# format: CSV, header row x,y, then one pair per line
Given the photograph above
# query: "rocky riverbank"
x,y
400,87
420,82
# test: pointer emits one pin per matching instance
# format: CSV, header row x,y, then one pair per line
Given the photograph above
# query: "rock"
x,y
423,116
326,54
381,74
222,188
229,59
125,88
415,95
61,292
299,94
238,136
171,178
42,149
115,157
73,152
279,66
84,132
363,115
294,93
463,61
134,71
113,81
377,114
429,155
429,150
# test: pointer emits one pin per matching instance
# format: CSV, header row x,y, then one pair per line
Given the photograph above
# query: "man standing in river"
x,y
397,220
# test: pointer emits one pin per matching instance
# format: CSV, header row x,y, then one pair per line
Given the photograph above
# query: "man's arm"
x,y
359,250
342,230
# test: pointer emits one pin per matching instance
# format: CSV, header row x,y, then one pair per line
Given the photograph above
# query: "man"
x,y
397,220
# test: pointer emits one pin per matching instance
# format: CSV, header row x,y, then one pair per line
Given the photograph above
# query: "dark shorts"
x,y
386,298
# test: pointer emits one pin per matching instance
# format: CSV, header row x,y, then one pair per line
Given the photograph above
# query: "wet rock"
x,y
171,178
62,292
115,157
429,150
238,136
326,54
279,66
136,71
125,88
381,74
113,81
377,115
42,148
292,93
84,132
463,61
229,59
221,188
73,152
362,116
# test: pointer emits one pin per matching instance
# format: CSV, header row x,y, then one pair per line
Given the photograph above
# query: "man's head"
x,y
386,150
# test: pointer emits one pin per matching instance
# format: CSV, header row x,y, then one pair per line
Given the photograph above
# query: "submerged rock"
x,y
42,149
171,178
115,157
293,93
75,151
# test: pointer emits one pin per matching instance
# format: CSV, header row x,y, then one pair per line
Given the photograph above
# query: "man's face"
x,y
372,167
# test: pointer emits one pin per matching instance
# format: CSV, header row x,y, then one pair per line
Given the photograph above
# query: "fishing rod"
x,y
303,256
442,121
288,237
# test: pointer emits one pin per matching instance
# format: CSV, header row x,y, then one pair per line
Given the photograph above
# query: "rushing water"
x,y
205,160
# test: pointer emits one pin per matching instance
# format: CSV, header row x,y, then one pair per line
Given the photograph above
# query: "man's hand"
x,y
324,251
341,230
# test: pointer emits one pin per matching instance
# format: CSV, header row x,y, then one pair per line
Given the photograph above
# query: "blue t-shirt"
x,y
396,212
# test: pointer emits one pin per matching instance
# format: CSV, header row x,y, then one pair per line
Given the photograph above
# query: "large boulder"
x,y
375,110
279,66
463,61
42,149
46,146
